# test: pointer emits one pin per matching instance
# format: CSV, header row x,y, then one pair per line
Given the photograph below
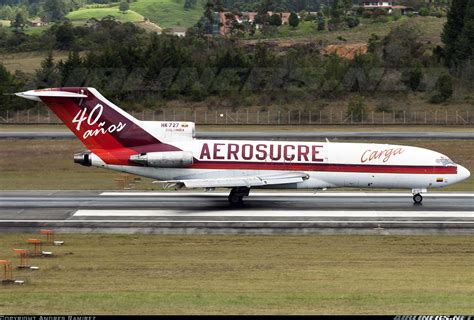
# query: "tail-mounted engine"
x,y
83,158
167,159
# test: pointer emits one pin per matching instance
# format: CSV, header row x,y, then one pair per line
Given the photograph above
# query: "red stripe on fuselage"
x,y
325,167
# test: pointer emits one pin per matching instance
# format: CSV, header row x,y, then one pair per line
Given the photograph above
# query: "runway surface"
x,y
277,135
263,212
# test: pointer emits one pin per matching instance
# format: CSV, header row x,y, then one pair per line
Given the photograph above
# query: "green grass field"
x,y
82,15
168,13
36,30
20,170
430,30
151,274
5,23
28,30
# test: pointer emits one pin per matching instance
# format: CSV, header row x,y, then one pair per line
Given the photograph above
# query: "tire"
x,y
417,198
236,200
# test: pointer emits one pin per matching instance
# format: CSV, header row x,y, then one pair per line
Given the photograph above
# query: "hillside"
x,y
165,13
168,13
82,15
430,29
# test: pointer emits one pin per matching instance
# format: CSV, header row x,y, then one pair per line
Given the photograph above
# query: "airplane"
x,y
168,151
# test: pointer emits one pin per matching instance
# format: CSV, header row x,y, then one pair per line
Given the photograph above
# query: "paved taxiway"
x,y
264,212
277,135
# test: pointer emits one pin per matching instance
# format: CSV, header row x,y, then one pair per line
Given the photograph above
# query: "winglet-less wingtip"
x,y
36,95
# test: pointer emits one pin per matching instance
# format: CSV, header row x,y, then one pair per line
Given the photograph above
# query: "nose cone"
x,y
463,173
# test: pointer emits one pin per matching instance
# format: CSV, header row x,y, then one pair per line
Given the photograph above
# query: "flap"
x,y
245,181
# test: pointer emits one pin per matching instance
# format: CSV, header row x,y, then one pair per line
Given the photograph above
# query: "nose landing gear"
x,y
236,196
417,198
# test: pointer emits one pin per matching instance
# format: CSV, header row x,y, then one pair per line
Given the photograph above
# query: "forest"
x,y
140,68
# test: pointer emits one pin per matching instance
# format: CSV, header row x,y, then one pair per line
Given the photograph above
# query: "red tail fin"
x,y
102,127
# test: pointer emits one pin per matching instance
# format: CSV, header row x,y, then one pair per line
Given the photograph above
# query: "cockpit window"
x,y
445,161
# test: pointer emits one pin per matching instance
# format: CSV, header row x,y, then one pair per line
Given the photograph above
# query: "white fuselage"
x,y
328,165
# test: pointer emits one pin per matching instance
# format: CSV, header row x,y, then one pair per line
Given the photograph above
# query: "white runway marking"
x,y
288,194
240,221
272,213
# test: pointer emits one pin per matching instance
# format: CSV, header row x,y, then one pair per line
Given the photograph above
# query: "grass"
x,y
52,167
168,13
28,30
82,15
5,23
28,62
48,165
36,30
430,29
150,274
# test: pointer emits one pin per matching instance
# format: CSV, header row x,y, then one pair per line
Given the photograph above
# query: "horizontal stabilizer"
x,y
37,94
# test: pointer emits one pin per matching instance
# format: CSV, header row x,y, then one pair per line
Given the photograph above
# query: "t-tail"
x,y
106,130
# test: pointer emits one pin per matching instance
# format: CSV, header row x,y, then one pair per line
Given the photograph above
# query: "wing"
x,y
243,181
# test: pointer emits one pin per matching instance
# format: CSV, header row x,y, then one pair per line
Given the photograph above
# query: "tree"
x,y
7,13
209,17
71,70
124,6
347,5
402,45
275,20
351,22
6,79
64,35
262,12
424,12
47,76
464,45
8,84
54,10
293,20
20,22
356,109
335,11
321,24
453,28
412,77
189,4
443,89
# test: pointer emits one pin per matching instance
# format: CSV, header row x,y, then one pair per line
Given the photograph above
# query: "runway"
x,y
263,213
277,135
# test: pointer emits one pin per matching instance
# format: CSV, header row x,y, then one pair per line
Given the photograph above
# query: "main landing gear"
x,y
236,196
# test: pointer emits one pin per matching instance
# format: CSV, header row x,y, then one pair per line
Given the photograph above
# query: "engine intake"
x,y
167,159
83,158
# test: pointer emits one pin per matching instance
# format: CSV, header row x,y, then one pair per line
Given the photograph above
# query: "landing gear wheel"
x,y
236,196
236,200
417,198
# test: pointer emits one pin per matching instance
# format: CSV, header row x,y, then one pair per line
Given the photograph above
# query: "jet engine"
x,y
83,158
167,159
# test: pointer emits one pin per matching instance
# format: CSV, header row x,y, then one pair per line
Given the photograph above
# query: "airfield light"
x,y
23,258
7,271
